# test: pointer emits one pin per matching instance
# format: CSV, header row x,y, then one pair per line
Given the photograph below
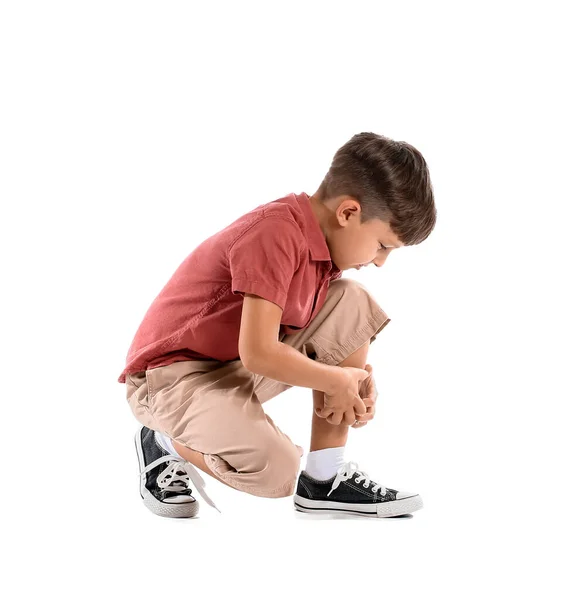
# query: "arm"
x,y
261,352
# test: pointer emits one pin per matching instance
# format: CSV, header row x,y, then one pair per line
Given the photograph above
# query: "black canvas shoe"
x,y
165,479
351,491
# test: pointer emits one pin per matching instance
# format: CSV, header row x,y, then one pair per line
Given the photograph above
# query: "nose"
x,y
379,262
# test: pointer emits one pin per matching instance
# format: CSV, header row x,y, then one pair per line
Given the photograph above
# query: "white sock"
x,y
323,464
166,443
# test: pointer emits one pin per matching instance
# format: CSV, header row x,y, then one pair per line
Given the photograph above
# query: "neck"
x,y
321,212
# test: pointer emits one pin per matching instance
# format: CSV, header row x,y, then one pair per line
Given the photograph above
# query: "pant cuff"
x,y
369,332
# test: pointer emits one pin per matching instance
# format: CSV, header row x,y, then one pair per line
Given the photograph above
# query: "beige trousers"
x,y
215,407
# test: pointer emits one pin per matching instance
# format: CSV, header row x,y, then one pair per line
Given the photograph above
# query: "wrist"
x,y
334,380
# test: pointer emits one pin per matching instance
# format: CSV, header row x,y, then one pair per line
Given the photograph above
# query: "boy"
x,y
260,307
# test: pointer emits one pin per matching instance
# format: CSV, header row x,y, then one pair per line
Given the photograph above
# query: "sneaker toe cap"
x,y
180,499
402,495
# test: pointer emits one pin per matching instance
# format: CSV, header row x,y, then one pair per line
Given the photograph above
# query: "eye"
x,y
381,247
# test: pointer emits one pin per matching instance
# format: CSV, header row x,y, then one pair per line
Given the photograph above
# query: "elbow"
x,y
247,358
254,360
250,363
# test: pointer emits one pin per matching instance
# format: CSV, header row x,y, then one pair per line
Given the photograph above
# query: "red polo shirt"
x,y
276,251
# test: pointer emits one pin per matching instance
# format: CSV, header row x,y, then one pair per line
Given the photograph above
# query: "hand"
x,y
342,404
368,393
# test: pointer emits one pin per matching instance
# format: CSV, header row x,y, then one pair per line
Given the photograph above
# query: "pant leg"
x,y
211,407
348,318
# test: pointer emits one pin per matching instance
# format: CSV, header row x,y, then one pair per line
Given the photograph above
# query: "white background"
x,y
132,131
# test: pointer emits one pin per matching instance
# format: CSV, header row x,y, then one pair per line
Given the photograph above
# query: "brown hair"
x,y
389,179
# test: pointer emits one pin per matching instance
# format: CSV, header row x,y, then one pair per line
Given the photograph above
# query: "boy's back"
x,y
276,251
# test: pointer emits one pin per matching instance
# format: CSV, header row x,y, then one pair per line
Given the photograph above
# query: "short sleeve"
x,y
264,259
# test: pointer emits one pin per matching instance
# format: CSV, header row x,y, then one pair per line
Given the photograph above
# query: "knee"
x,y
348,287
356,295
351,293
277,479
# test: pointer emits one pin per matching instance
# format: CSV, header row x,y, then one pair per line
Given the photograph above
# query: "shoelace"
x,y
347,471
170,474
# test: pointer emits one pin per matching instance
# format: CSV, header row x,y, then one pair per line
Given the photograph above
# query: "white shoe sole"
x,y
393,508
163,509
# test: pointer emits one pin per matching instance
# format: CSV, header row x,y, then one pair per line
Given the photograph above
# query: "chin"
x,y
345,268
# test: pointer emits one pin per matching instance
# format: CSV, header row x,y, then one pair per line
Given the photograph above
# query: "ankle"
x,y
166,444
324,463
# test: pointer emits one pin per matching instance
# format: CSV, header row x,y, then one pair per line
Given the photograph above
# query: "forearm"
x,y
286,364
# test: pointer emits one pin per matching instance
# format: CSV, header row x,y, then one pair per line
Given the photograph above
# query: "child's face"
x,y
353,245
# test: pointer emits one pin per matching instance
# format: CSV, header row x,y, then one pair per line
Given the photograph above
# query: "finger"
x,y
366,417
335,418
371,371
358,424
369,402
349,417
359,406
323,412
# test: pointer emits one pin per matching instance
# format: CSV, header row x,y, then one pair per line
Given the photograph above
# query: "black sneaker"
x,y
165,479
360,496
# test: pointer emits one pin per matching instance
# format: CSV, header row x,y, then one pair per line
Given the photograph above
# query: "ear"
x,y
348,208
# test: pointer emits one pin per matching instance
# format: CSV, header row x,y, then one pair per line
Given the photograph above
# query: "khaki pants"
x,y
215,407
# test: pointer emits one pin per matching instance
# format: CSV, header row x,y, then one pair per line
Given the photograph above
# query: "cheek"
x,y
343,246
367,250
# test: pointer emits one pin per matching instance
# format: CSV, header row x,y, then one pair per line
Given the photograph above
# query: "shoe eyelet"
x,y
364,486
357,480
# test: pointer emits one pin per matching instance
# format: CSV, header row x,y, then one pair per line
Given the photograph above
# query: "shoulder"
x,y
275,223
280,212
